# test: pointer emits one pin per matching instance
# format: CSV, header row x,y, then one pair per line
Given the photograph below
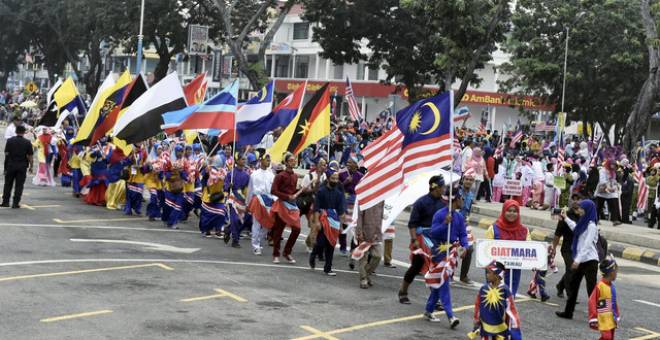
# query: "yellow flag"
x,y
190,135
65,94
120,143
104,101
310,125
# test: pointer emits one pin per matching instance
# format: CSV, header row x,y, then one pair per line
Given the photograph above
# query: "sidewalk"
x,y
626,241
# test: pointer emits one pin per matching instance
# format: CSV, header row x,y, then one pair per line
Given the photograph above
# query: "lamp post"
x,y
138,69
563,88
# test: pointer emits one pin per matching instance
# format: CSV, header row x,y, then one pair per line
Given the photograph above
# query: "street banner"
x,y
512,187
526,255
198,39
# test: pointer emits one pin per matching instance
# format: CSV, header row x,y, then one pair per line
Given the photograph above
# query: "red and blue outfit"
x,y
236,185
495,313
441,267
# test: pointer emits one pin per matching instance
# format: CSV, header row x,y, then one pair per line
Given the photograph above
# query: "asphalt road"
x,y
54,288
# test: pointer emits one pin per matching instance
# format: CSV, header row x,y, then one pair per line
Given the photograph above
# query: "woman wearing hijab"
x,y
478,165
508,227
584,251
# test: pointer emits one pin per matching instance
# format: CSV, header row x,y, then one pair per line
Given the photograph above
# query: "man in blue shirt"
x,y
446,230
329,206
421,217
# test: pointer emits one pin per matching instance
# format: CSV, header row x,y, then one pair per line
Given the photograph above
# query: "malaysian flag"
x,y
353,107
457,145
517,137
420,141
643,188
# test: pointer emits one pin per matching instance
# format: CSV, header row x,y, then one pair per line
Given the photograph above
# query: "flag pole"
x,y
138,68
450,210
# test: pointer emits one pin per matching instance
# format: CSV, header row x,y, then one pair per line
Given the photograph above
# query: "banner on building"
x,y
198,39
217,65
526,255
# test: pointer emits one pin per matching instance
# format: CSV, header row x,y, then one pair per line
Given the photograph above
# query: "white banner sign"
x,y
525,255
198,39
512,187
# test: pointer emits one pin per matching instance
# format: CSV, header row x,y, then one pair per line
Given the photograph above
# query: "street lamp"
x,y
563,89
140,38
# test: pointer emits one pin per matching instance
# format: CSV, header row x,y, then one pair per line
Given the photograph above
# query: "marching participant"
x,y
329,206
213,214
236,185
261,202
421,217
448,237
135,183
153,183
495,314
174,174
285,210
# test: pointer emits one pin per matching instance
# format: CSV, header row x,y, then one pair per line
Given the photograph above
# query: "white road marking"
x,y
147,245
35,225
401,263
648,303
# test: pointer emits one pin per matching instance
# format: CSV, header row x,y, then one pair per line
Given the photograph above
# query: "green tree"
x,y
605,57
416,41
13,44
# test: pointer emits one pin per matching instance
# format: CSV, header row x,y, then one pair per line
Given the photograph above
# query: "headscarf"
x,y
511,230
496,267
590,215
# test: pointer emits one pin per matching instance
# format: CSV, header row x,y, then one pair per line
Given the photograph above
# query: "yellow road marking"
x,y
318,332
651,335
32,207
75,316
383,323
99,220
32,276
221,293
230,295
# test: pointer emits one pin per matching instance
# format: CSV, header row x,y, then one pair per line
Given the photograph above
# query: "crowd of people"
x,y
240,194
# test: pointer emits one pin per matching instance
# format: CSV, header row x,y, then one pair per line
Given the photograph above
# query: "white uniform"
x,y
260,184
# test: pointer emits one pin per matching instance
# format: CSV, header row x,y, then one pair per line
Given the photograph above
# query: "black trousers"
x,y
588,270
565,281
626,200
324,247
414,269
655,217
484,190
465,263
14,178
612,206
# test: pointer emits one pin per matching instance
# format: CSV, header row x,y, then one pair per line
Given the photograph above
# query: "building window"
x,y
282,66
301,31
338,72
373,73
360,71
302,66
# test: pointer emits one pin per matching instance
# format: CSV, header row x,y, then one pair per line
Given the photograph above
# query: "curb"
x,y
617,249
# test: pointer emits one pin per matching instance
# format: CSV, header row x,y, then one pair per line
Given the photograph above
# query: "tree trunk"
x,y
492,25
637,122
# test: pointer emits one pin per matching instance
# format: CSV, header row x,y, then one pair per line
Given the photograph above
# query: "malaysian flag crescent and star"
x,y
426,127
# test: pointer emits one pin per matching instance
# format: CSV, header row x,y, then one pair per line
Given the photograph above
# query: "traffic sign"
x,y
31,87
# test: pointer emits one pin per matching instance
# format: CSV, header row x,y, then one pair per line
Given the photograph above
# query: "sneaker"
x,y
6,205
545,298
343,253
369,282
175,227
151,219
312,264
309,250
257,251
290,259
276,259
218,235
208,235
15,206
453,322
331,273
364,284
430,317
389,265
235,245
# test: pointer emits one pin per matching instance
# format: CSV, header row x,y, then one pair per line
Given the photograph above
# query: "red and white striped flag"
x,y
517,137
642,190
498,151
421,144
353,107
457,145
